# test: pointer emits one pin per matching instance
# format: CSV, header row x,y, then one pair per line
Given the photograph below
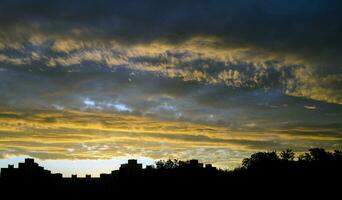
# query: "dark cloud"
x,y
309,27
294,46
165,98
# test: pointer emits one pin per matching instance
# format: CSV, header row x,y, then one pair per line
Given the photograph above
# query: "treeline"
x,y
314,172
265,161
315,156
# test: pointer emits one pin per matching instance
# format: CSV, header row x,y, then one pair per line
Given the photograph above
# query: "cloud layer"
x,y
71,134
209,79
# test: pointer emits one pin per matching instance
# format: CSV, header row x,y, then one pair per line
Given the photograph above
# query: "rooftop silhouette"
x,y
316,168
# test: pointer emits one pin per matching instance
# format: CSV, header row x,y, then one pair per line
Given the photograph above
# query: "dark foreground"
x,y
264,174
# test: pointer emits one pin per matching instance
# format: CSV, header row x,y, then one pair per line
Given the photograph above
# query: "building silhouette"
x,y
28,170
132,168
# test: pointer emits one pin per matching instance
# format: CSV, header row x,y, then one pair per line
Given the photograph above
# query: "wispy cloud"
x,y
74,134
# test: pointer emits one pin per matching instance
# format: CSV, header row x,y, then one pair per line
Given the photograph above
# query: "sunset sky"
x,y
94,82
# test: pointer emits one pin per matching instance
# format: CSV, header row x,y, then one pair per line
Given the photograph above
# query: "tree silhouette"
x,y
168,164
337,155
260,159
316,154
287,155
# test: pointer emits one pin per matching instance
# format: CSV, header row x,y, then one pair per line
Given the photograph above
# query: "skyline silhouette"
x,y
132,165
311,169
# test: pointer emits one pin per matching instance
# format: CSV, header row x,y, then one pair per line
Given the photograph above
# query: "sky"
x,y
92,81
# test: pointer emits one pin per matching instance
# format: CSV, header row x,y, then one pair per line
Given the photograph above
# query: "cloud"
x,y
290,46
310,107
89,102
190,61
68,134
122,108
106,105
84,80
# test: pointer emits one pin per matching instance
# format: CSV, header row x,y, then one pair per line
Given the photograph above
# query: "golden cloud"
x,y
73,134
